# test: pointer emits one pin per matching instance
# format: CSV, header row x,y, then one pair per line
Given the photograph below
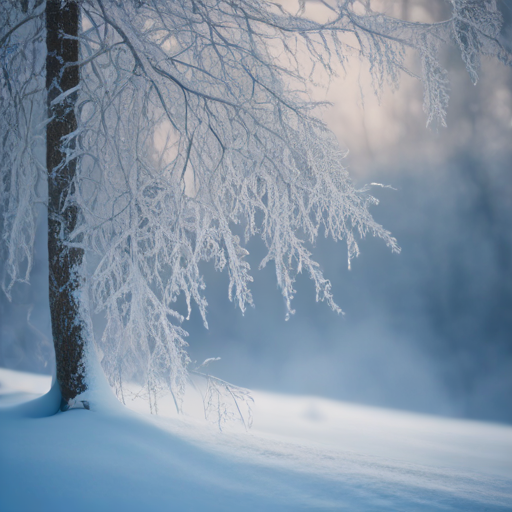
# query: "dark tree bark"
x,y
62,75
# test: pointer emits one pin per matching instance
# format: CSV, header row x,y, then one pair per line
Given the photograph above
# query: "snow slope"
x,y
303,453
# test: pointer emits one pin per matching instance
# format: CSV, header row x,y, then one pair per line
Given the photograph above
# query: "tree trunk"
x,y
62,75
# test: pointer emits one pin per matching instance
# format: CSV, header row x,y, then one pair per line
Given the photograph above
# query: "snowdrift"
x,y
303,453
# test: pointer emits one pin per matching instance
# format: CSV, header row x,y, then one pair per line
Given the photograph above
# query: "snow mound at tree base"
x,y
304,453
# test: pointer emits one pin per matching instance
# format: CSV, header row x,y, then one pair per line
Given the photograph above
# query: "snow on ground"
x,y
303,453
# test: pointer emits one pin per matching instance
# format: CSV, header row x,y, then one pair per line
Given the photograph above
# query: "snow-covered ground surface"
x,y
303,453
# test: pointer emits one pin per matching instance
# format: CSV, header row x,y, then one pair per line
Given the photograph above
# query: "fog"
x,y
429,329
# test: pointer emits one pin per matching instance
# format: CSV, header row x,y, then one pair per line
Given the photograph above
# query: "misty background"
x,y
429,329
